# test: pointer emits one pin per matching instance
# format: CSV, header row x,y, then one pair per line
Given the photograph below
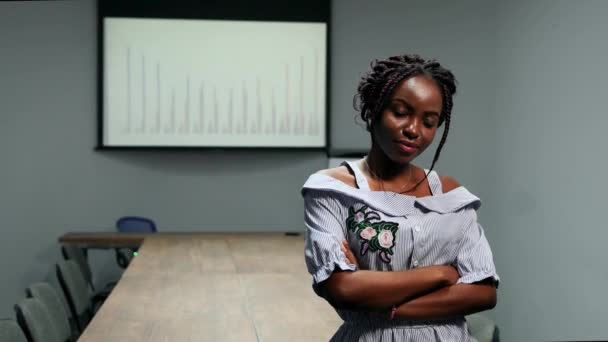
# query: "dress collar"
x,y
392,203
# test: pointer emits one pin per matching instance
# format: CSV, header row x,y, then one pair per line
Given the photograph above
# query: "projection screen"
x,y
213,83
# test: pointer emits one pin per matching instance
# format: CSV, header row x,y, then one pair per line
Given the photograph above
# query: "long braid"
x,y
377,87
447,117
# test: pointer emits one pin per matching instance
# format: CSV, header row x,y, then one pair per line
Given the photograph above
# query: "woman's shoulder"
x,y
336,184
448,183
454,198
340,173
329,187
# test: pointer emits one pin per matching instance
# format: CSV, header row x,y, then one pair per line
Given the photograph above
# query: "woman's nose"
x,y
410,128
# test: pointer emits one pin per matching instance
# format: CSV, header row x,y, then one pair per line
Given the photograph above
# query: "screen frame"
x,y
267,10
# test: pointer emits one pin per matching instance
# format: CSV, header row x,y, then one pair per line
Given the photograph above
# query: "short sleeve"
x,y
324,234
475,261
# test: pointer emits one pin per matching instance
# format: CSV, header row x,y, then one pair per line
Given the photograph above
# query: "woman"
x,y
383,213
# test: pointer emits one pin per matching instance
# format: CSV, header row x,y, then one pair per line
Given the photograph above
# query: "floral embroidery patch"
x,y
375,235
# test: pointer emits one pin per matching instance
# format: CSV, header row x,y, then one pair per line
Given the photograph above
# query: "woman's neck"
x,y
383,167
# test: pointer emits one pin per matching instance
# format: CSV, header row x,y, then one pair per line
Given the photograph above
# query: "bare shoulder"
x,y
340,173
448,183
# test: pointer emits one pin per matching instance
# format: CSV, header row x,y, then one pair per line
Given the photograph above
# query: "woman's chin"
x,y
401,158
398,157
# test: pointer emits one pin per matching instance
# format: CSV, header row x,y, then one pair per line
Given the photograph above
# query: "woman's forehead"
x,y
419,89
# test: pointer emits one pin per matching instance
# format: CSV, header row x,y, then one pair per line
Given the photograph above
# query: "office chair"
x,y
132,224
10,331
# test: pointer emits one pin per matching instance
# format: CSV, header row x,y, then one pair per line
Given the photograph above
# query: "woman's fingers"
x,y
350,256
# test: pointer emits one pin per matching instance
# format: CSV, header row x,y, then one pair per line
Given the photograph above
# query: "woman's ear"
x,y
370,123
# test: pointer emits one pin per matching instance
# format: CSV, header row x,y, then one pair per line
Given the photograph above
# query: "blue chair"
x,y
135,224
132,224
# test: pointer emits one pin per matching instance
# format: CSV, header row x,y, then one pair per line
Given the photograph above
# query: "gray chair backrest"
x,y
35,320
482,328
11,332
73,252
76,291
50,298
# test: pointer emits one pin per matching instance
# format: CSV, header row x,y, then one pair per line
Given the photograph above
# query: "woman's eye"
x,y
429,123
399,112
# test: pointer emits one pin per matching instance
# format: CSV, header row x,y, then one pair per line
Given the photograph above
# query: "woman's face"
x,y
408,124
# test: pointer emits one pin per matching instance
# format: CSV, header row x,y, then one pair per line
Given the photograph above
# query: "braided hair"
x,y
376,89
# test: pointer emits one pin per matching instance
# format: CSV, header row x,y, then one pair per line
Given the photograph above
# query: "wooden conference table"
x,y
210,287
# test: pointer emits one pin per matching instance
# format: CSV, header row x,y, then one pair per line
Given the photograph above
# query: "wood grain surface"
x,y
215,287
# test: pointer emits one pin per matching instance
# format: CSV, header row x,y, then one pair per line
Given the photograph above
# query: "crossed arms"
x,y
424,293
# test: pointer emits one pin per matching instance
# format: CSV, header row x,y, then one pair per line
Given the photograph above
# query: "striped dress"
x,y
392,232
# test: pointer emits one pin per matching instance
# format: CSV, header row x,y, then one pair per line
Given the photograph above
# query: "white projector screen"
x,y
213,83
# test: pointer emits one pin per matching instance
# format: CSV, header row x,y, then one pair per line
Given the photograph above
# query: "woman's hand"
x,y
350,256
451,274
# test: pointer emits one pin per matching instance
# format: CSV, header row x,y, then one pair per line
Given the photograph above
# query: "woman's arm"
x,y
452,301
474,261
378,290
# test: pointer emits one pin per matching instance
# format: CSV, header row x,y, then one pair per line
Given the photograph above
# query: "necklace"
x,y
375,176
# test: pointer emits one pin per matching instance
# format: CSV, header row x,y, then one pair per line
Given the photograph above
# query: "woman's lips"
x,y
407,147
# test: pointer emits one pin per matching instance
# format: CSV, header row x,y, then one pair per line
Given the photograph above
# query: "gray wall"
x,y
525,138
549,236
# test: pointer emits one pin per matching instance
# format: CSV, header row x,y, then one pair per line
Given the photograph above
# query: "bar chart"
x,y
214,83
